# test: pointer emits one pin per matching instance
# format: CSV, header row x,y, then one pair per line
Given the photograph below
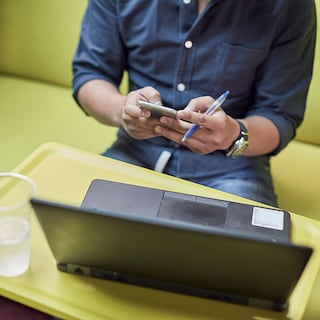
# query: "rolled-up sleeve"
x,y
283,79
100,53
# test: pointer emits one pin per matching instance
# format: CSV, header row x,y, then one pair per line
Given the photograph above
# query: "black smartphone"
x,y
158,110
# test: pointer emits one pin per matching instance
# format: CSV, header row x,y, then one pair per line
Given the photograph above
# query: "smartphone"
x,y
158,110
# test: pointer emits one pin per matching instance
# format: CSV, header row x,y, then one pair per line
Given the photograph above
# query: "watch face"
x,y
239,146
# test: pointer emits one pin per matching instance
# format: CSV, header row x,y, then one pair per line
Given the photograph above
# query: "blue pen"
x,y
217,103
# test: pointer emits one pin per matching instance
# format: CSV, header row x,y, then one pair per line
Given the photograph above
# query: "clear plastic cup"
x,y
16,191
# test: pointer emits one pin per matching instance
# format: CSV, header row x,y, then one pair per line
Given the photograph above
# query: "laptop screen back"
x,y
172,255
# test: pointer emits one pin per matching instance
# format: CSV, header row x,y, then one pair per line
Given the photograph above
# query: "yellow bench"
x,y
38,39
296,170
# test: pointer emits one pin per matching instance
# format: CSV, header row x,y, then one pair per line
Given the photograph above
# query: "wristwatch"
x,y
240,144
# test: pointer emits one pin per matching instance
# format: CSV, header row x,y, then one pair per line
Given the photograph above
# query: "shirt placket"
x,y
188,15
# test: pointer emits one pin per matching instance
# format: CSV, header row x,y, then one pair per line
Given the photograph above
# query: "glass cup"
x,y
16,191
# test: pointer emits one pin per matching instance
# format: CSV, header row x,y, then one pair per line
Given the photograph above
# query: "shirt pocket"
x,y
238,67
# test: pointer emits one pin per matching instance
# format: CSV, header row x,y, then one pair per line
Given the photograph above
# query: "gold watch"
x,y
240,144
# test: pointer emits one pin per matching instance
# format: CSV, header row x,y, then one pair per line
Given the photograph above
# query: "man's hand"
x,y
216,131
137,122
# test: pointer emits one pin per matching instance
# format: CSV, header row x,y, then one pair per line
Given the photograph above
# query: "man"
x,y
184,53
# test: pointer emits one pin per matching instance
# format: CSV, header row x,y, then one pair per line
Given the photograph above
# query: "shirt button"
x,y
181,87
188,44
186,1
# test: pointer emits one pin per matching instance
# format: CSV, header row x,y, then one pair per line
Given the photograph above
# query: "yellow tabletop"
x,y
63,174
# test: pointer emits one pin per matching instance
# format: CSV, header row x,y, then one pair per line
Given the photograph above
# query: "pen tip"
x,y
183,139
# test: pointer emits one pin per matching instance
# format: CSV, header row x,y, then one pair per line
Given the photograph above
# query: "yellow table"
x,y
63,174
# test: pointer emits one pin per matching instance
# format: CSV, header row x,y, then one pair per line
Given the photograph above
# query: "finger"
x,y
134,111
193,143
176,124
132,108
200,119
168,133
203,120
200,104
140,128
150,94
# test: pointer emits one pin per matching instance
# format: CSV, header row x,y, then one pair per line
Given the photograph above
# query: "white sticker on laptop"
x,y
268,218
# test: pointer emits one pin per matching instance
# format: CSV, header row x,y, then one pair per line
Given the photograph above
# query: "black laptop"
x,y
178,242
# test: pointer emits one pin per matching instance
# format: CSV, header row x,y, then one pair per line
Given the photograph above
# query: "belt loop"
x,y
162,161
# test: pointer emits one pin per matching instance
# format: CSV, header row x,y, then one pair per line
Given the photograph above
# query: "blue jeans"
x,y
248,177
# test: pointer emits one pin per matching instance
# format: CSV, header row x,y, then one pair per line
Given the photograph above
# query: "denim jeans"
x,y
248,177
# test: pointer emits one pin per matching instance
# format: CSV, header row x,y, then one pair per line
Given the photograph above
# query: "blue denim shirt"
x,y
262,51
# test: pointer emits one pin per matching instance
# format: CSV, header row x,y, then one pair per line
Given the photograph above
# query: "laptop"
x,y
177,242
